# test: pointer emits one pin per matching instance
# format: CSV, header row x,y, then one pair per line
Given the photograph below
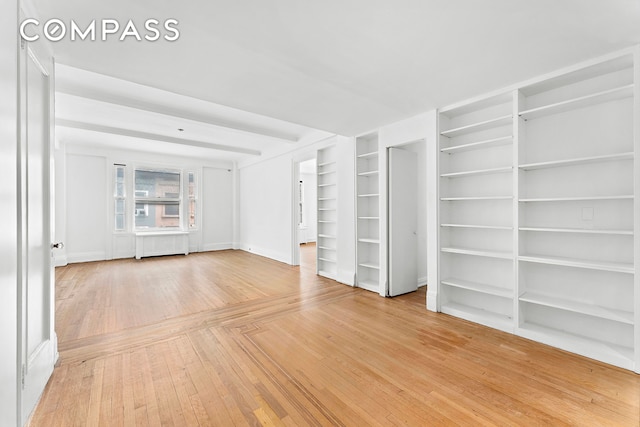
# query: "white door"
x,y
37,348
403,221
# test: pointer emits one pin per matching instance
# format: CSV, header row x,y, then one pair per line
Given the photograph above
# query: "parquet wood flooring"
x,y
230,338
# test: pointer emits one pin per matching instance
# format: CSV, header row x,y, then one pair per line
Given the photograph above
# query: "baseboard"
x,y
86,257
266,253
217,246
422,281
346,278
60,260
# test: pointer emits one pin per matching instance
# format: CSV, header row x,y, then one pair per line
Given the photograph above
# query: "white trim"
x,y
86,257
208,247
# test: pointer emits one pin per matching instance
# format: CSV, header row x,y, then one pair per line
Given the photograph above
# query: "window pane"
x,y
192,213
119,206
157,215
156,183
119,225
119,181
192,184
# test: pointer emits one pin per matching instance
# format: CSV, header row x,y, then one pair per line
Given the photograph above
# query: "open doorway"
x,y
307,215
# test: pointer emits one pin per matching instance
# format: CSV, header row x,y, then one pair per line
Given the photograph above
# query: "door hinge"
x,y
23,43
23,374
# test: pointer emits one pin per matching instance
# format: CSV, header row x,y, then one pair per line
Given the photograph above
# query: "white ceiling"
x,y
341,66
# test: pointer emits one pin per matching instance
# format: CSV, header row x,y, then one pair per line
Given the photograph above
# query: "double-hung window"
x,y
119,198
158,199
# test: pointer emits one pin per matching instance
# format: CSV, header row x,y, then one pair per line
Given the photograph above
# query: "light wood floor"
x,y
229,338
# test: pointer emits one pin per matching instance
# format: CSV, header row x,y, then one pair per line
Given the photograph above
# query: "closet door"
x,y
403,222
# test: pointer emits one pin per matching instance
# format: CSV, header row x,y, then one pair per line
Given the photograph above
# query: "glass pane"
x,y
119,225
156,184
192,184
192,213
119,182
157,215
119,207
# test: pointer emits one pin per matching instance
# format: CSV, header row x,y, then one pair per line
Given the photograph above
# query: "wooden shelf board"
x,y
577,161
618,267
582,101
458,199
578,307
477,172
364,240
576,199
326,222
365,155
369,195
369,217
476,127
609,353
578,230
476,252
489,227
326,173
327,185
369,173
369,265
322,199
473,314
327,260
328,236
326,248
327,209
478,287
494,142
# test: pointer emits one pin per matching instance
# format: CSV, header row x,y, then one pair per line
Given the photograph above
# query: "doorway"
x,y
307,217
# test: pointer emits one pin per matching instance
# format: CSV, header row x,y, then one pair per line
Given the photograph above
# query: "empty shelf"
x,y
489,227
369,240
369,265
369,173
578,307
478,287
476,127
578,230
619,267
473,314
481,253
477,172
577,161
575,199
582,101
458,199
494,142
365,155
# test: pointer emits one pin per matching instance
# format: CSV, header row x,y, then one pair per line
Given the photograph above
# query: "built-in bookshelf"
x,y
539,210
326,246
577,281
367,212
476,146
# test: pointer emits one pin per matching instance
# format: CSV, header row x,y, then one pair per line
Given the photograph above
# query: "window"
x,y
157,199
119,195
192,193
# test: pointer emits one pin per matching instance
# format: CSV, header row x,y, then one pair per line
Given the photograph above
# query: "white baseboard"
x,y
346,277
422,281
432,299
86,257
60,260
217,246
267,253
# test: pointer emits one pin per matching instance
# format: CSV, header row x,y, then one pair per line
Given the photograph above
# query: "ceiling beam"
x,y
153,137
175,112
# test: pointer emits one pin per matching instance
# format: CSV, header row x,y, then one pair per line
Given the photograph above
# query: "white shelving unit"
x,y
540,207
367,213
476,209
326,246
578,287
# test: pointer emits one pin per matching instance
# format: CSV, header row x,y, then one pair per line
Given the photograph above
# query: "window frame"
x,y
158,201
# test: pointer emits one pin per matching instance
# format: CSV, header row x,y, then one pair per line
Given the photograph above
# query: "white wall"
x,y
217,221
266,208
266,205
310,205
87,211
